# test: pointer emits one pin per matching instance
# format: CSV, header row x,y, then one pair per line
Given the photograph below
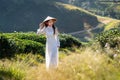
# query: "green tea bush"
x,y
12,43
111,36
29,36
65,40
69,41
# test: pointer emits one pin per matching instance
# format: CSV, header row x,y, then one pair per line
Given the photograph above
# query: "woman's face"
x,y
50,23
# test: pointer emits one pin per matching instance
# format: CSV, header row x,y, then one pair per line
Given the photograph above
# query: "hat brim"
x,y
50,18
54,20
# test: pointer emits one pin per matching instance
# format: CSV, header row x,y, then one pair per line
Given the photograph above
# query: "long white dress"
x,y
52,44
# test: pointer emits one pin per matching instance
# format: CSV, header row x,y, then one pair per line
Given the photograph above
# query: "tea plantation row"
x,y
16,43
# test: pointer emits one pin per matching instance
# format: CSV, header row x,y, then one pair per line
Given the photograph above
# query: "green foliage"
x,y
111,36
69,41
12,43
28,36
99,7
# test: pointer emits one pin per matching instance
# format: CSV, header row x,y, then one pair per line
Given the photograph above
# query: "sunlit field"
x,y
82,64
89,36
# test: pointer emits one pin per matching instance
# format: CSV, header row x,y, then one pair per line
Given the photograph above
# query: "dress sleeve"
x,y
58,41
41,31
57,36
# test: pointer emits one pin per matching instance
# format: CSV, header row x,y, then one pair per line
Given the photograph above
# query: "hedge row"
x,y
28,36
12,43
69,41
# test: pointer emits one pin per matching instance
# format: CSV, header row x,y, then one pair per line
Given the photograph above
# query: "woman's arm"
x,y
41,31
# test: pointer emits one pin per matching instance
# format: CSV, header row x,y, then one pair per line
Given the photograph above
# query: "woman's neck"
x,y
50,26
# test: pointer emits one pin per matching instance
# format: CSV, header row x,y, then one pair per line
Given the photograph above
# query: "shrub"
x,y
5,47
111,36
66,40
69,41
11,45
28,36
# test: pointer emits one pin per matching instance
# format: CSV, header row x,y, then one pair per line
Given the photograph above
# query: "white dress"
x,y
52,44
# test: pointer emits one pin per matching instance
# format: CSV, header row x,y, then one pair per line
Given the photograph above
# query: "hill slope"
x,y
109,8
25,15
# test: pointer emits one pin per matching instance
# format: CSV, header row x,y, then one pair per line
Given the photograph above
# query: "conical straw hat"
x,y
49,18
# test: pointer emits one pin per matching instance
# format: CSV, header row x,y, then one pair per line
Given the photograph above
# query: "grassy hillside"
x,y
93,61
110,8
108,22
25,15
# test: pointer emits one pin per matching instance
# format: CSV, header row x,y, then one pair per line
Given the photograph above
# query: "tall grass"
x,y
11,70
89,65
16,68
82,64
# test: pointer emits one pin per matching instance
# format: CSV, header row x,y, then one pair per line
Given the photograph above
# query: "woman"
x,y
52,43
